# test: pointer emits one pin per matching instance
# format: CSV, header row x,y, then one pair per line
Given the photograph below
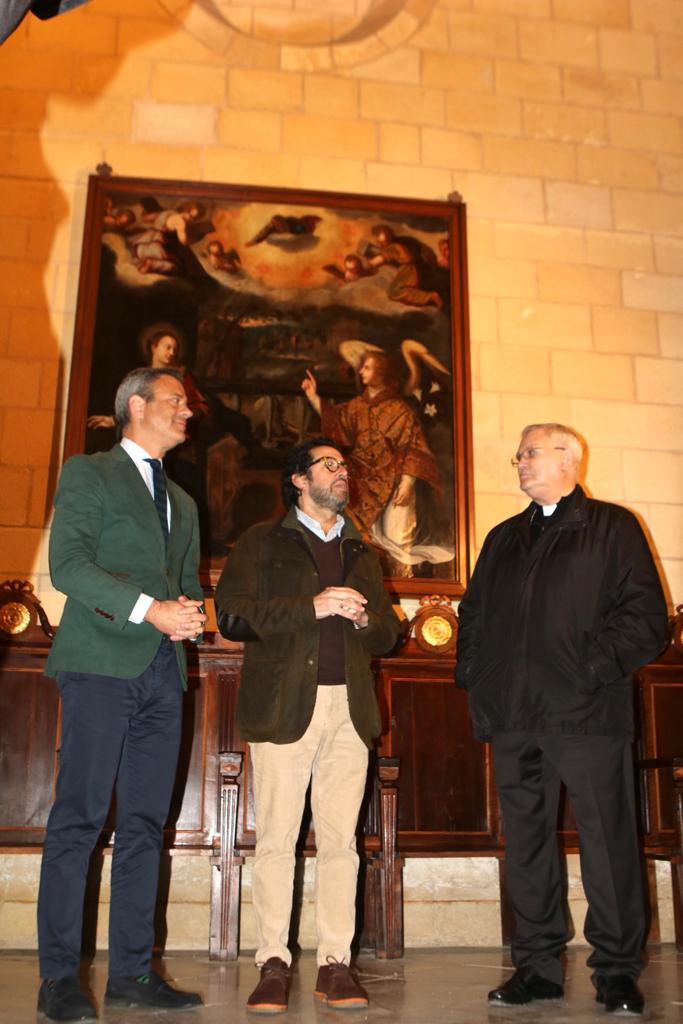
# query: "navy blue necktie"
x,y
160,494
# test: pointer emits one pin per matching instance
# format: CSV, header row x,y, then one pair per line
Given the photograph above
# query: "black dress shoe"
x,y
62,999
148,990
525,987
619,993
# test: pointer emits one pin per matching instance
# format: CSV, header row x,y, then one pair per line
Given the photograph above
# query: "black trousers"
x,y
598,774
123,732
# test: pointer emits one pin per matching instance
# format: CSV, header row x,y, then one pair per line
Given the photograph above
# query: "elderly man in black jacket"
x,y
306,594
563,606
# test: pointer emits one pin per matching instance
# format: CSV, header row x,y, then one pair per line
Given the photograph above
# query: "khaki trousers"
x,y
332,755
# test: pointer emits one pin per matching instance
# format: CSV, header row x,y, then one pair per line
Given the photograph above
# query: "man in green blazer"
x,y
124,548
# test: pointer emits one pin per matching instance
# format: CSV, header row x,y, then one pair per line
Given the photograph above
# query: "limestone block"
x,y
659,381
191,84
625,330
18,546
95,74
608,13
516,156
669,255
614,424
491,509
22,282
671,173
565,123
534,81
250,129
662,96
83,31
485,414
408,104
335,174
602,89
457,150
480,238
603,475
145,158
399,143
489,275
483,114
36,72
442,879
541,242
487,34
14,236
520,410
21,109
455,71
671,55
653,291
592,375
591,285
155,39
27,439
660,16
619,249
39,507
398,65
187,925
174,123
546,324
664,899
625,50
644,211
18,926
671,571
670,327
221,163
656,132
544,41
502,196
493,473
603,165
518,8
433,34
49,383
666,522
483,318
264,89
331,96
654,476
578,205
15,483
40,201
474,923
520,370
327,136
422,182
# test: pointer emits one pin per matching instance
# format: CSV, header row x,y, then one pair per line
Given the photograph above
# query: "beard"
x,y
333,500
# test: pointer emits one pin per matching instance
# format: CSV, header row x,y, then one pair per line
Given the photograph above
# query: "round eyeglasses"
x,y
330,463
529,454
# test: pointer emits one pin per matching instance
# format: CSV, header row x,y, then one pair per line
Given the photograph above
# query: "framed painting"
x,y
291,314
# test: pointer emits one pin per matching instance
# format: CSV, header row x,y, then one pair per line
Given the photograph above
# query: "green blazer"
x,y
106,548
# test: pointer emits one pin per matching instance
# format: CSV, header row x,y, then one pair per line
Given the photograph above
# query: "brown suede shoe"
x,y
338,988
270,995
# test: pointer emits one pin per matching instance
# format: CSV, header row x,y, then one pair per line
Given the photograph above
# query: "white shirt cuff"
x,y
140,609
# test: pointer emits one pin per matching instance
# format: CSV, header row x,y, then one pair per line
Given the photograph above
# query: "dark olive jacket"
x,y
551,633
269,581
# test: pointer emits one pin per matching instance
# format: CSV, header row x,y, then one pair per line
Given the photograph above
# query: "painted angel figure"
x,y
395,480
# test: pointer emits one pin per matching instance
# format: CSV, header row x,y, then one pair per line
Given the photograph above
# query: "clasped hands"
x,y
181,619
344,601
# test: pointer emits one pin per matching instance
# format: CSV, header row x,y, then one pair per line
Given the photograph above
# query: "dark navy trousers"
x,y
122,733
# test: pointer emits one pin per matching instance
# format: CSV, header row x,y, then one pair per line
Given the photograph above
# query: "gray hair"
x,y
139,382
573,441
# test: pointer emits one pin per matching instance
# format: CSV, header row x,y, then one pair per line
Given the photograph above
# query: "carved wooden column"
x,y
385,868
227,864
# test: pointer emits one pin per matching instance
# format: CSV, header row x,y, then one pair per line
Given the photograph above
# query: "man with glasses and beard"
x,y
563,607
306,595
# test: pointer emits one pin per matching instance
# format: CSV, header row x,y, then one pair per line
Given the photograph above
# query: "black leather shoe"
x,y
62,999
619,993
525,987
149,990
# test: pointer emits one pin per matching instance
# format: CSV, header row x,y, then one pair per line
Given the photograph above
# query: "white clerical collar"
x,y
315,527
548,510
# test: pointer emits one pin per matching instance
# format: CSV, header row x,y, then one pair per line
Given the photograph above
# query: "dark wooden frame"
x,y
98,361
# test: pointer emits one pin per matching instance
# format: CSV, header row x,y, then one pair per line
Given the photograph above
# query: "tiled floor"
x,y
426,987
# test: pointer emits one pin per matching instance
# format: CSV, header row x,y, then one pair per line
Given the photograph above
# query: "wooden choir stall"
x,y
430,792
